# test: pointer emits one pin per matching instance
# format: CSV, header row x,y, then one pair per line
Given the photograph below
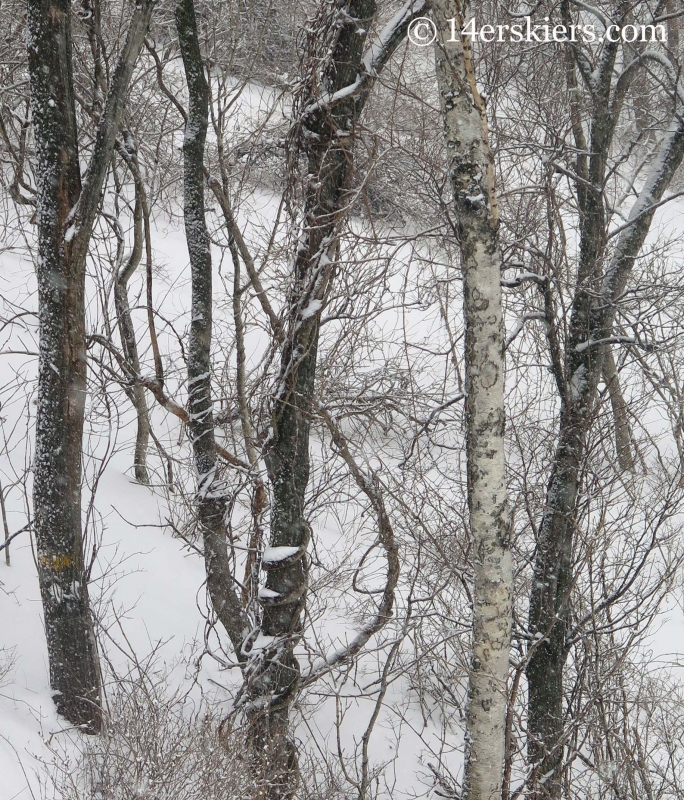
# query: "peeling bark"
x,y
471,170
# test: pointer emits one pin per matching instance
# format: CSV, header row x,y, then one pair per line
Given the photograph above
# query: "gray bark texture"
x,y
324,133
623,438
601,279
471,170
274,677
129,344
210,500
67,207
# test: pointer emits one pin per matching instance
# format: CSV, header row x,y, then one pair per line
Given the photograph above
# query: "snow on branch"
x,y
391,35
376,57
520,324
634,232
642,213
582,346
512,283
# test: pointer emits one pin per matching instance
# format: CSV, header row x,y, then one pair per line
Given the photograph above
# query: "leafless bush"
x,y
158,744
7,664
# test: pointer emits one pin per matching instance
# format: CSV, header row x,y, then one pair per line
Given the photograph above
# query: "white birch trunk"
x,y
471,171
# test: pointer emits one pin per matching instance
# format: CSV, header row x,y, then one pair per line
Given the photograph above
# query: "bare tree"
x,y
329,105
210,496
314,382
470,167
67,207
124,268
602,276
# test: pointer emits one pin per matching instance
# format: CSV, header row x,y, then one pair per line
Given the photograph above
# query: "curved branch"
x,y
371,487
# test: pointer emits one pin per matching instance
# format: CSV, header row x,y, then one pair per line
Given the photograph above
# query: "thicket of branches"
x,y
337,359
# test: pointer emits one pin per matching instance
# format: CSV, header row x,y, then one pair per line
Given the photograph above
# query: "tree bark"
x,y
129,344
67,209
598,289
210,499
274,677
549,612
324,131
471,169
623,438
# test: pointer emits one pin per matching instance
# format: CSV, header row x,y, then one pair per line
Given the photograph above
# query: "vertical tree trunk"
x,y
330,156
598,289
211,502
66,213
129,343
550,604
623,439
74,671
325,133
471,169
549,613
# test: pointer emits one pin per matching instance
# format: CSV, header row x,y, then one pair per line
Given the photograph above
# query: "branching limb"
x,y
372,488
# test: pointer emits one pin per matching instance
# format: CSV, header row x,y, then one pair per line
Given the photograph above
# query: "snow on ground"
x,y
143,577
155,592
148,585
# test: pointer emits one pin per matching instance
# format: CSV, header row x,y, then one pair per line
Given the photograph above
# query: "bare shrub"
x,y
7,664
158,744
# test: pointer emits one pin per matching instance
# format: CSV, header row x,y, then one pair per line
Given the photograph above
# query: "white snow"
x,y
312,308
272,555
412,7
148,585
268,594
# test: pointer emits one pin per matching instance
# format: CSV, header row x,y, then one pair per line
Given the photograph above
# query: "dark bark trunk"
x,y
325,133
549,613
67,210
211,501
74,670
129,344
550,607
275,682
600,283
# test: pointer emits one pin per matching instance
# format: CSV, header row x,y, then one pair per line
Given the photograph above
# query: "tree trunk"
x,y
330,156
74,670
471,168
67,210
211,501
593,312
623,438
549,613
129,343
324,131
